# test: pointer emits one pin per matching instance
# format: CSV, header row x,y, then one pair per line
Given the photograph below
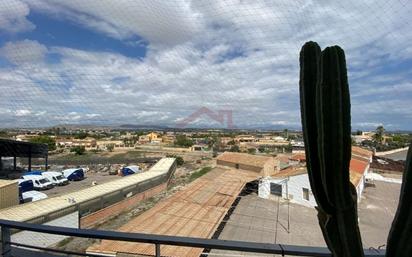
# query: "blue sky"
x,y
157,62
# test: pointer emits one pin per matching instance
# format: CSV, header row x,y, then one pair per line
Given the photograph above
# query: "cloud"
x,y
162,22
13,16
20,113
224,55
23,52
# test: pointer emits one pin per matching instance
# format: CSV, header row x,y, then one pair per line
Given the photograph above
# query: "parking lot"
x,y
73,186
268,221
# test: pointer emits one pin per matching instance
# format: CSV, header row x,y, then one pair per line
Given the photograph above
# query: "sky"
x,y
152,62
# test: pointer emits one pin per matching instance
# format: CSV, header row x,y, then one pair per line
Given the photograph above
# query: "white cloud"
x,y
23,52
157,21
20,113
236,55
13,16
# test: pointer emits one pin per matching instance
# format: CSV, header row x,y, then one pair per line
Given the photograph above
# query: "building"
x,y
297,158
9,193
198,147
88,142
264,165
152,137
105,144
168,139
245,138
293,183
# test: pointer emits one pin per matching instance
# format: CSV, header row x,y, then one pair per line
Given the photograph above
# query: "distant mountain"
x,y
134,126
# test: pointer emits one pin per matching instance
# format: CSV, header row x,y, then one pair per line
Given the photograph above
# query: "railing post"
x,y
5,242
157,250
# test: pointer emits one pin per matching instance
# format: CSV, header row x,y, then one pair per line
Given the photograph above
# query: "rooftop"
x,y
244,158
11,148
33,210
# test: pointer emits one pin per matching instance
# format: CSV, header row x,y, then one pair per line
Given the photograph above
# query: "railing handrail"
x,y
281,249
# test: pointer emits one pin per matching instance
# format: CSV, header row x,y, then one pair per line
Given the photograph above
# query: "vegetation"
x,y
379,133
199,173
110,147
325,110
251,150
234,148
179,159
51,143
182,140
81,135
78,150
327,135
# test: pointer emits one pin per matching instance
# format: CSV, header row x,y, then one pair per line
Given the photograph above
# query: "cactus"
x,y
325,110
400,236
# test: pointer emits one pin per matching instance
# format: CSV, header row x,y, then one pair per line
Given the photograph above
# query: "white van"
x,y
32,196
26,192
55,177
39,182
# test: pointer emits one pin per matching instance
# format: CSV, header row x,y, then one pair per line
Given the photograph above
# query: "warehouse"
x,y
263,165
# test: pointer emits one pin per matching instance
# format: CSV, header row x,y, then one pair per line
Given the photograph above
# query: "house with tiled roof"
x,y
293,183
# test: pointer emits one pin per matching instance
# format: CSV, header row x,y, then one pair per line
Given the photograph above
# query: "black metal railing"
x,y
157,241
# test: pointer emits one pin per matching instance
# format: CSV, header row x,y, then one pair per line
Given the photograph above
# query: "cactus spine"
x,y
400,235
325,110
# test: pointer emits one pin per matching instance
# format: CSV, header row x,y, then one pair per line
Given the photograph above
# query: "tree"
x,y
81,135
182,140
78,150
231,142
286,133
51,143
234,148
110,147
379,133
179,159
251,150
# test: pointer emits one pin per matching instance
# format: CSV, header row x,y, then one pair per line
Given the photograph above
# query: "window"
x,y
275,189
237,165
305,194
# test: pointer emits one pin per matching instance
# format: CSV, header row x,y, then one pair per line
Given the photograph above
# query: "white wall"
x,y
292,188
45,240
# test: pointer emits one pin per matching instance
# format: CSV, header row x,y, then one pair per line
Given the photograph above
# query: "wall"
x,y
105,214
9,193
45,240
292,188
241,166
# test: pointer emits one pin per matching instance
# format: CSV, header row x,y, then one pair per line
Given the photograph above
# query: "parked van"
x,y
26,192
39,182
129,170
56,178
74,174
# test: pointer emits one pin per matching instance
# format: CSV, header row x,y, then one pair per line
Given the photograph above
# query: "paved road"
x,y
397,156
254,219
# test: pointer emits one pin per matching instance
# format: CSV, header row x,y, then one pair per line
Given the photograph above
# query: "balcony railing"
x,y
157,241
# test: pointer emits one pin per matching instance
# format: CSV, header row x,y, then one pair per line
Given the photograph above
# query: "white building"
x,y
293,184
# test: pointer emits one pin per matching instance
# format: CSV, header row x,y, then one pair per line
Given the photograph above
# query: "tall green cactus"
x,y
400,235
325,109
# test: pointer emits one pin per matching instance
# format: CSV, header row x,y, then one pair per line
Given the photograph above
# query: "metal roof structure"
x,y
35,210
13,148
195,211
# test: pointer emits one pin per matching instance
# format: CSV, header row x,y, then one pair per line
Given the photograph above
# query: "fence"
x,y
157,240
